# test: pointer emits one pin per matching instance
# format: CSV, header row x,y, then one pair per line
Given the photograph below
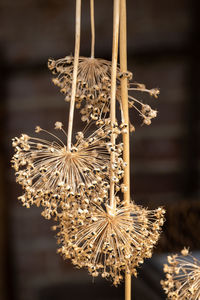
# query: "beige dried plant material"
x,y
94,87
80,185
108,240
182,277
48,171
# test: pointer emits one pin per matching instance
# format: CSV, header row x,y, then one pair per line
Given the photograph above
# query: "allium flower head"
x,y
109,240
93,83
48,171
182,277
94,87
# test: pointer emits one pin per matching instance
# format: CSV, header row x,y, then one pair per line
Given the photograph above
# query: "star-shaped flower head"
x,y
106,240
48,171
94,87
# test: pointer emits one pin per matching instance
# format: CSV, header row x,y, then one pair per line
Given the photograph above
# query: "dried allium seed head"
x,y
108,240
94,87
93,84
50,173
182,277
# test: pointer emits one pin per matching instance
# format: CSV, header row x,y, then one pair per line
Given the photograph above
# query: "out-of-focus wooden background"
x,y
163,51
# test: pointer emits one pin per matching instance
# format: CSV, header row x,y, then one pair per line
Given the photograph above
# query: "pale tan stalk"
x,y
113,91
92,27
76,58
124,97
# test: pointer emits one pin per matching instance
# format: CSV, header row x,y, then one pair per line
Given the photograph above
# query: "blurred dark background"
x,y
163,51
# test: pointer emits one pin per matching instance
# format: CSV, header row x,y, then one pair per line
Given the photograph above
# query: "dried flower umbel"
x,y
48,171
93,84
106,240
94,87
182,277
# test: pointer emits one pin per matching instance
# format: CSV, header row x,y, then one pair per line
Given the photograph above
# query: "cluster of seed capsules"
x,y
94,87
50,174
109,241
73,185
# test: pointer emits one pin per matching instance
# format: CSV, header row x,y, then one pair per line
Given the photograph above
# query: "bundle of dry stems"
x,y
85,186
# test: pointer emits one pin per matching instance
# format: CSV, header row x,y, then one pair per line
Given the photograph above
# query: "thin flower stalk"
x,y
113,94
92,27
74,76
125,134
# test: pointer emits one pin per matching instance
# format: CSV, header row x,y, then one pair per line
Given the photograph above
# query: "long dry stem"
x,y
124,96
76,58
113,91
92,27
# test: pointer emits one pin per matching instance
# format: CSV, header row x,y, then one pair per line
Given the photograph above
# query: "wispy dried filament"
x,y
94,87
108,240
182,277
47,171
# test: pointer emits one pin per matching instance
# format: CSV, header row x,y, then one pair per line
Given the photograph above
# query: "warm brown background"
x,y
163,51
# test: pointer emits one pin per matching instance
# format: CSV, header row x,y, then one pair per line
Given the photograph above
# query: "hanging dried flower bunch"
x,y
105,234
182,277
81,184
